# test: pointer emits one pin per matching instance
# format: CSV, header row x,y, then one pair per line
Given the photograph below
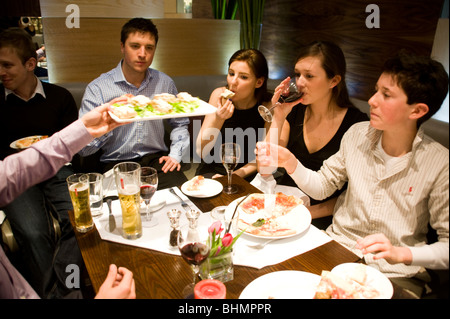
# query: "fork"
x,y
261,245
183,203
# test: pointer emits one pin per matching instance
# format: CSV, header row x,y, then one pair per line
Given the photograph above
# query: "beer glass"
x,y
127,176
79,194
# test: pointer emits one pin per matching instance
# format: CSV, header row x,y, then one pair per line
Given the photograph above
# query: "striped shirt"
x,y
139,138
398,203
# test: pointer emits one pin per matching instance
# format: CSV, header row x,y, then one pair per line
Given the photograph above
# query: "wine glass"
x,y
194,246
290,94
230,153
149,184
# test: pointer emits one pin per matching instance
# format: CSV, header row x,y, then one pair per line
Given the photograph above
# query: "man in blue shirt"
x,y
141,141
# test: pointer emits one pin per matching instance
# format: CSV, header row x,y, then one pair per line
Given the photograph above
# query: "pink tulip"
x,y
227,240
217,226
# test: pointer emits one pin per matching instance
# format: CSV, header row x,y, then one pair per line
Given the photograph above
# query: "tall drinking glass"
x,y
149,185
96,193
127,176
79,194
230,153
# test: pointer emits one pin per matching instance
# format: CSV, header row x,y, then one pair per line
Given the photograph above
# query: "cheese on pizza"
x,y
253,203
332,286
28,141
274,223
270,228
353,286
283,203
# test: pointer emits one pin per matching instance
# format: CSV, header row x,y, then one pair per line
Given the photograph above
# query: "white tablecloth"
x,y
157,237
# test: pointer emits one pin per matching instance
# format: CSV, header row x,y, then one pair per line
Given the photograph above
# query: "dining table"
x,y
159,275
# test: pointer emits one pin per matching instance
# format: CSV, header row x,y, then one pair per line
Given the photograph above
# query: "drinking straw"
x,y
76,191
234,213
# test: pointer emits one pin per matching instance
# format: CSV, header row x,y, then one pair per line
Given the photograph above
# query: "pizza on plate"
x,y
283,203
274,222
353,286
129,106
28,141
195,183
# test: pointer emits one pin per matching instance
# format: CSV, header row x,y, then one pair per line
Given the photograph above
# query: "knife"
x,y
112,219
183,203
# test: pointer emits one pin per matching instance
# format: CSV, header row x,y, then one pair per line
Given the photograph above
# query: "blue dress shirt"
x,y
140,138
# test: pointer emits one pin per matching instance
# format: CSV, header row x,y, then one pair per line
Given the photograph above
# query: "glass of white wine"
x,y
230,153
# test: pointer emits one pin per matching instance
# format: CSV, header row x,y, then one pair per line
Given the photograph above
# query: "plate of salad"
x,y
130,108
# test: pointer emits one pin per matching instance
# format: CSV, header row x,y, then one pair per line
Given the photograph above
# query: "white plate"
x,y
209,188
375,278
203,109
286,284
13,144
299,217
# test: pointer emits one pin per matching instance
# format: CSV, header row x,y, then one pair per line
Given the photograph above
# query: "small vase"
x,y
218,267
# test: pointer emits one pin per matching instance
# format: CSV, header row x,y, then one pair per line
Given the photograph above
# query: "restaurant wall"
x,y
80,55
17,8
440,52
103,8
80,48
289,24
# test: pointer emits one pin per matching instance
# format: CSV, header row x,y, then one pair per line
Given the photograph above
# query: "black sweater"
x,y
38,116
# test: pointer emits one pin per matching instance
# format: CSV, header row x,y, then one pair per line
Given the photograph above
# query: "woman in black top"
x,y
236,119
312,130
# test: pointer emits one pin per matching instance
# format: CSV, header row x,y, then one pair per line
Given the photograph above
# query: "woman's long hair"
x,y
258,64
333,62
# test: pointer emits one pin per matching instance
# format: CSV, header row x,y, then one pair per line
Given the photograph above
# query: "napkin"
x,y
277,251
268,185
109,185
264,184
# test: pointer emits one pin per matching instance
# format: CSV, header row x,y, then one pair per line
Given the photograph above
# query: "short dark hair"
x,y
138,25
258,64
20,41
423,80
